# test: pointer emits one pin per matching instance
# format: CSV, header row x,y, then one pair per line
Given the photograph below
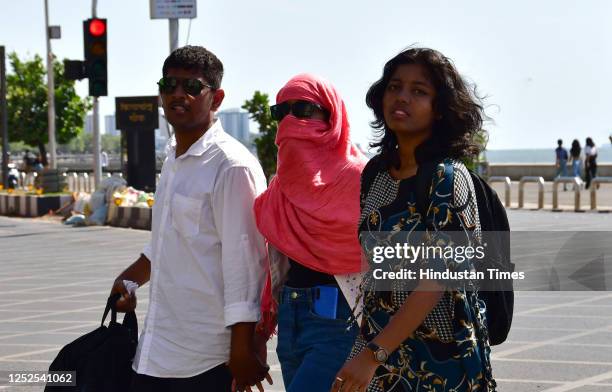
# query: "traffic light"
x,y
94,38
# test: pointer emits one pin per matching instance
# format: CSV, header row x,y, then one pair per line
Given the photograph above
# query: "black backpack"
x,y
498,294
102,358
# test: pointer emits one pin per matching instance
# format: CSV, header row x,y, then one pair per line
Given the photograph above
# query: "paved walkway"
x,y
54,281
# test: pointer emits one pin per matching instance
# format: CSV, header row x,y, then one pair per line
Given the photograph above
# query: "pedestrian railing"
x,y
507,187
531,179
594,185
576,181
72,180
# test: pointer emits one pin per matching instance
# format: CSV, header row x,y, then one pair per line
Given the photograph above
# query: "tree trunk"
x,y
43,154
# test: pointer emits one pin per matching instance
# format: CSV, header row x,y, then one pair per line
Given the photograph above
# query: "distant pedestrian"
x,y
38,163
576,159
590,161
27,161
561,161
103,159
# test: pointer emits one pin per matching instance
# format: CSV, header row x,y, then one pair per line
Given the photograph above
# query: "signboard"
x,y
136,113
173,9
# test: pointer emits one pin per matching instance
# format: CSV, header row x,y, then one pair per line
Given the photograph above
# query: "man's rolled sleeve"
x,y
243,251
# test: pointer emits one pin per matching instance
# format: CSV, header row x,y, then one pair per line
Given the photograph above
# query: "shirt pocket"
x,y
186,215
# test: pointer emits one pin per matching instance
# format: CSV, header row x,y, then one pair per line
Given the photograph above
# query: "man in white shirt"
x,y
206,259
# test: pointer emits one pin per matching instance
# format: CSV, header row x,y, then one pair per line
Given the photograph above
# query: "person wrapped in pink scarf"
x,y
309,216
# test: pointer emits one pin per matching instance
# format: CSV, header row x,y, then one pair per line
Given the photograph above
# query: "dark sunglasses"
x,y
193,87
300,109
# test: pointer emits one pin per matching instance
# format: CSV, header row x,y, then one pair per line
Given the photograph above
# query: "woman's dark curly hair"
x,y
457,131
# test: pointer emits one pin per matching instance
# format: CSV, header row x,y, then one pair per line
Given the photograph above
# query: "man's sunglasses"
x,y
300,109
193,87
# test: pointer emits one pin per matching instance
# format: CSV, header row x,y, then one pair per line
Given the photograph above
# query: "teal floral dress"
x,y
449,351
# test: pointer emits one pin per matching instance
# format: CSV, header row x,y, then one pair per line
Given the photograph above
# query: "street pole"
x,y
50,94
97,164
173,24
4,119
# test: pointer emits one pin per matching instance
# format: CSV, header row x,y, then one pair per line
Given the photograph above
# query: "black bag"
x,y
497,294
102,358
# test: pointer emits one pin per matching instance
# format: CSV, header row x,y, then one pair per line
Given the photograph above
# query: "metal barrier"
x,y
594,185
507,186
72,182
567,180
534,179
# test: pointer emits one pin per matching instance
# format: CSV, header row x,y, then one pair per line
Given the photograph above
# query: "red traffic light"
x,y
97,27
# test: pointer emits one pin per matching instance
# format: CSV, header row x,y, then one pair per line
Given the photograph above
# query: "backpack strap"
x,y
112,307
425,174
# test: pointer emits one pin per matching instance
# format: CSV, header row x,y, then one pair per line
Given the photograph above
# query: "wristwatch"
x,y
380,354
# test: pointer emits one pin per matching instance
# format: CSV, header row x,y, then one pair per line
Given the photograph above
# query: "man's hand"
x,y
246,366
261,349
127,301
248,369
140,273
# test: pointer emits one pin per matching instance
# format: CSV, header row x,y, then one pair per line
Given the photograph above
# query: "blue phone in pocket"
x,y
326,301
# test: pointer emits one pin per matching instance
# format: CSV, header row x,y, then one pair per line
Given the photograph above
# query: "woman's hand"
x,y
356,374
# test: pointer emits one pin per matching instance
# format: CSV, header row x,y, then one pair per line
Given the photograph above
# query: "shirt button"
x,y
294,295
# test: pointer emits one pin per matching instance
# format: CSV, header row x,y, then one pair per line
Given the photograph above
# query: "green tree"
x,y
27,104
480,138
259,110
111,143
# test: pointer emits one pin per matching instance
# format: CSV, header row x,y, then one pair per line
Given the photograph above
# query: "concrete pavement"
x,y
54,281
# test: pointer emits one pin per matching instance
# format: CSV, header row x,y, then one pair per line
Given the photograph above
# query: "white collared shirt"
x,y
208,260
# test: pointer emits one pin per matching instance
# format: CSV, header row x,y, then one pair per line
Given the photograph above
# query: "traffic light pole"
x,y
96,143
97,169
50,94
173,25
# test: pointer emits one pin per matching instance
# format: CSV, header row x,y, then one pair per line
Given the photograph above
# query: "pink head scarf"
x,y
310,210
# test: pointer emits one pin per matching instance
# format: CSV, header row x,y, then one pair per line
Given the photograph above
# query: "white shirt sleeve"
x,y
243,251
147,251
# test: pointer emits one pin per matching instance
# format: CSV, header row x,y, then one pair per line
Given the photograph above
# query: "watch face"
x,y
381,355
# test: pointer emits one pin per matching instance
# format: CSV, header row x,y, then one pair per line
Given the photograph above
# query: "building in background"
x,y
109,126
236,123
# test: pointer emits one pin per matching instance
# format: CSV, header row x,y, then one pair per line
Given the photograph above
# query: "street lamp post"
x,y
50,94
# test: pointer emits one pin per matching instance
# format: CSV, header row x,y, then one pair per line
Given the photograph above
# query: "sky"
x,y
544,67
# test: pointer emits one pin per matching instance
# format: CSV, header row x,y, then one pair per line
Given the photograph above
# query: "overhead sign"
x,y
136,113
173,9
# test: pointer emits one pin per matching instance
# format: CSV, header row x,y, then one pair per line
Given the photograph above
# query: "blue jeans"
x,y
562,170
576,168
311,349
